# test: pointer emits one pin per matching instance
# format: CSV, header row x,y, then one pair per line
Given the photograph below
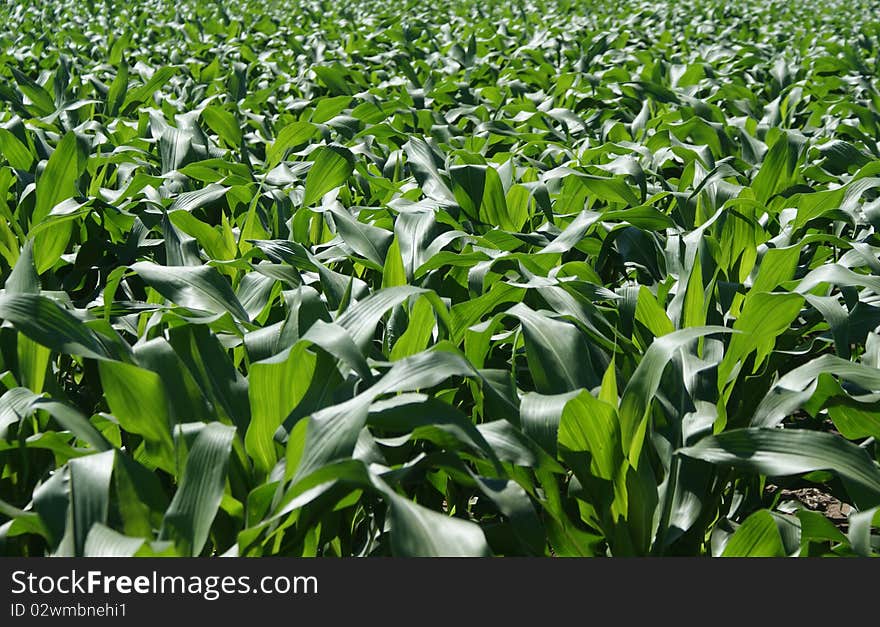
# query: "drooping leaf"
x,y
191,512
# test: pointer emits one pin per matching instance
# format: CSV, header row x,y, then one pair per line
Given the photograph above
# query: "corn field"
x,y
529,278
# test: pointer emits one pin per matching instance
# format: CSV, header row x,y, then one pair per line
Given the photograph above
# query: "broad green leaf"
x,y
275,386
140,94
37,94
290,136
779,452
859,535
393,271
468,185
58,180
45,322
797,387
191,512
758,536
213,240
556,351
361,319
137,398
418,331
103,541
117,91
540,417
422,160
816,527
590,425
764,317
199,287
332,165
186,400
644,383
417,531
33,363
778,170
16,153
333,431
73,421
224,124
214,372
14,404
368,241
190,201
89,495
651,314
777,266
24,278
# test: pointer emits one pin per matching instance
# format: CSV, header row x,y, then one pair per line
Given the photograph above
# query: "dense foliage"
x,y
456,278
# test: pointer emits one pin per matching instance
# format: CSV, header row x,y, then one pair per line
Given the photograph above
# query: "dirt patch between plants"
x,y
816,500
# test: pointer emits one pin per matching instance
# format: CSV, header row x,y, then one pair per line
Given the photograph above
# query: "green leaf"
x,y
418,331
186,400
224,124
422,160
859,533
200,287
815,527
214,372
24,278
43,321
777,266
607,189
331,168
103,541
190,201
644,383
194,506
419,413
89,495
275,386
796,388
540,416
118,89
758,536
14,404
590,425
334,77
366,240
360,319
75,422
211,239
333,431
556,351
778,171
290,136
393,271
137,398
652,315
778,452
468,184
417,531
43,102
58,180
764,317
52,502
16,153
140,94
493,209
57,183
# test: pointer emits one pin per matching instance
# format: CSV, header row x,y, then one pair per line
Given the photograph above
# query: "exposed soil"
x,y
815,500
